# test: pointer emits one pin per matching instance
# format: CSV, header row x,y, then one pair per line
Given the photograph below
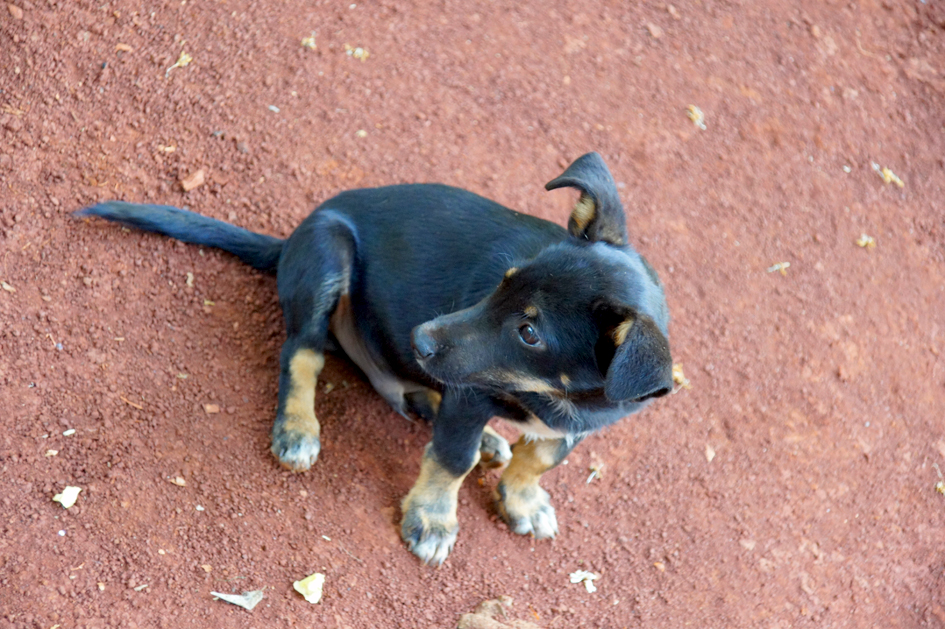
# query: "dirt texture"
x,y
792,485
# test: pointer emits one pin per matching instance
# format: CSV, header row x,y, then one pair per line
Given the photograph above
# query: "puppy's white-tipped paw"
x,y
295,450
527,510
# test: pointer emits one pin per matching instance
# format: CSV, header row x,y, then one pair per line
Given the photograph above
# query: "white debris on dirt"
x,y
587,577
679,378
780,267
867,242
709,453
246,600
887,175
309,42
695,114
311,587
182,61
357,52
68,496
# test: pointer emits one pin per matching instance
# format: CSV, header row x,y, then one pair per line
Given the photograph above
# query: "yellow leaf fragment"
x,y
867,242
679,378
68,496
695,114
357,52
182,61
311,587
887,175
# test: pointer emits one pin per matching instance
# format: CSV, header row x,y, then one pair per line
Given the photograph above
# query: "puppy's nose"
x,y
423,344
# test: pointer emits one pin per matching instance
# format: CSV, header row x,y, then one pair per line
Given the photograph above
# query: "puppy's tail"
x,y
257,250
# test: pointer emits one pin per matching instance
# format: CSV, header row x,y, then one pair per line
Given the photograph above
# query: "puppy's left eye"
x,y
528,334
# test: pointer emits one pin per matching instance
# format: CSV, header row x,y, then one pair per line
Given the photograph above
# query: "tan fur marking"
x,y
528,384
531,311
565,380
621,331
512,271
584,211
436,488
304,368
436,398
530,459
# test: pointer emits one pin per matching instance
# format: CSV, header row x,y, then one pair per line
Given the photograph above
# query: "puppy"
x,y
458,310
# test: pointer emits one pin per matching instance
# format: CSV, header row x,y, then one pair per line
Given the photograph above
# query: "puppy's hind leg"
x,y
313,274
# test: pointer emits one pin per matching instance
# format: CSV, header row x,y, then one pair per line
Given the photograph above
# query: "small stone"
x,y
15,11
211,408
655,31
195,180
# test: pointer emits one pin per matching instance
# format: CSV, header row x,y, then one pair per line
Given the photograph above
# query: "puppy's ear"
x,y
598,215
633,354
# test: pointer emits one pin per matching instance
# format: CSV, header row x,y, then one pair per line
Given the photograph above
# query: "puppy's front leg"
x,y
522,503
429,526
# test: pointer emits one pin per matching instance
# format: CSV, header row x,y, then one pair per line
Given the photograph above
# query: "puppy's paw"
x,y
494,450
429,528
297,450
527,510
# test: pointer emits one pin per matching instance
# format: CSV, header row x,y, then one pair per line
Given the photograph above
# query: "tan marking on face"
x,y
524,383
512,271
531,311
435,492
584,211
565,380
621,331
304,368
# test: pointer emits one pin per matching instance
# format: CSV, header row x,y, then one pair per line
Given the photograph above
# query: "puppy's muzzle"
x,y
423,343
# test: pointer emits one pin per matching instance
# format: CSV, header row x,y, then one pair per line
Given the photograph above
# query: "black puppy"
x,y
458,310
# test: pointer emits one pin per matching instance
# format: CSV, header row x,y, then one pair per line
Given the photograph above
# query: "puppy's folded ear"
x,y
598,214
634,355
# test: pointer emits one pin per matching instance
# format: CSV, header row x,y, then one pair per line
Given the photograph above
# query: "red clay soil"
x,y
820,391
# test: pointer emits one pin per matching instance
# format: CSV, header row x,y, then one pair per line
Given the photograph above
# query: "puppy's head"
x,y
586,315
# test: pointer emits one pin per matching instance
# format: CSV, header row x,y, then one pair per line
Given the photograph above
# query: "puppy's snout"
x,y
424,346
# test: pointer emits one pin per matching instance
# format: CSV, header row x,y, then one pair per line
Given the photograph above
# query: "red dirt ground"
x,y
820,391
